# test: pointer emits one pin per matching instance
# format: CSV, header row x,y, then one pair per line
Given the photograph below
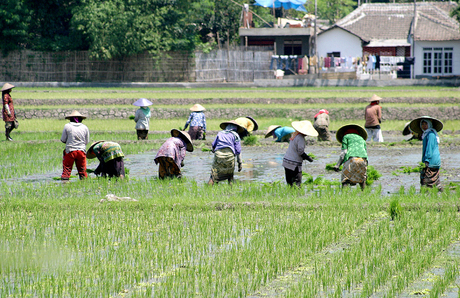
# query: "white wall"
x,y
418,54
339,40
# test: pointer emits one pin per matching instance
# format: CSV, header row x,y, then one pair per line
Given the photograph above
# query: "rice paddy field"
x,y
255,238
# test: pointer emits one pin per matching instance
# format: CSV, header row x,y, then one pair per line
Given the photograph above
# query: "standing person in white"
x,y
373,117
142,118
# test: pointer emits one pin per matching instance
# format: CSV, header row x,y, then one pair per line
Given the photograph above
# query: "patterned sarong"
x,y
196,132
354,170
168,168
430,177
223,165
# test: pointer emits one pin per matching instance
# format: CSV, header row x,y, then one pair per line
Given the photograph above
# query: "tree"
x,y
332,10
14,25
119,28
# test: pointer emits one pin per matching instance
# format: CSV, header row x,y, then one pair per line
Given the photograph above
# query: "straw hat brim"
x,y
90,153
75,114
256,126
415,124
406,131
142,102
7,86
240,129
184,136
271,129
197,108
375,97
341,131
305,127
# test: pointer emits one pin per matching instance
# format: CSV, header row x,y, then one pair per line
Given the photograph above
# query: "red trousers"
x,y
77,156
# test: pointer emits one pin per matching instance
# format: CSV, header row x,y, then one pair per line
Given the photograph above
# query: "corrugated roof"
x,y
393,21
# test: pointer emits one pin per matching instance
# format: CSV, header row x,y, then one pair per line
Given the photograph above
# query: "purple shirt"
x,y
174,148
227,139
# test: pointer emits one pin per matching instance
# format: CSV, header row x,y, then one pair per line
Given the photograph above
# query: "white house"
x,y
386,29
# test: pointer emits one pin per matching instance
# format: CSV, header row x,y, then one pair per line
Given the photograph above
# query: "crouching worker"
x,y
353,156
171,154
295,155
226,146
75,136
110,159
281,134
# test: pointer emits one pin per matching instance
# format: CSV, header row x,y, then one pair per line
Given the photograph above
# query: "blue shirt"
x,y
430,151
227,139
281,132
196,119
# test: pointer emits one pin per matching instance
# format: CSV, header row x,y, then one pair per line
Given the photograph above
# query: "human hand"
x,y
308,158
240,167
336,168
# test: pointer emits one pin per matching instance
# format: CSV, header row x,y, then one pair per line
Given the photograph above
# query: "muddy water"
x,y
264,164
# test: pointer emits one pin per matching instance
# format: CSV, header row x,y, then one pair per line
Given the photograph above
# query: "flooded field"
x,y
263,163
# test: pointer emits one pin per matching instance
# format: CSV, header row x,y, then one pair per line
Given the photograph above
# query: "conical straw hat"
x,y
305,127
271,129
256,126
197,108
184,136
415,124
341,131
142,102
406,129
90,153
75,113
240,129
375,97
7,86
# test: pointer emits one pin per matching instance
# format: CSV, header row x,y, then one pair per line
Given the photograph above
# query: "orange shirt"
x,y
373,114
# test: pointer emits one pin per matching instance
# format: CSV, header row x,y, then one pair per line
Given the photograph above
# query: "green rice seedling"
x,y
330,166
372,175
250,140
313,156
395,209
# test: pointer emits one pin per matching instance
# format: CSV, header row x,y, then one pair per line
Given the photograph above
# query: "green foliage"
x,y
250,140
409,169
330,166
15,20
372,175
332,10
395,209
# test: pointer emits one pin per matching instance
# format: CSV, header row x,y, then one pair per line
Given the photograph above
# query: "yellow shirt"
x,y
246,123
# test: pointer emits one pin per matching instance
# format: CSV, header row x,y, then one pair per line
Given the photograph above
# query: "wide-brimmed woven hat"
x,y
256,126
184,136
142,102
240,129
341,132
75,113
305,127
7,86
415,124
90,153
406,130
375,97
270,130
197,108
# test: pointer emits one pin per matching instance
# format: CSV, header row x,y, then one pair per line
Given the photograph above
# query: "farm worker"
x,y
142,118
226,146
197,122
75,136
428,128
281,134
249,124
373,117
9,116
110,159
171,154
406,131
353,156
295,155
321,125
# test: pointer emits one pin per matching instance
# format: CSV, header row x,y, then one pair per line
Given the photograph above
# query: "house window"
x,y
437,61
